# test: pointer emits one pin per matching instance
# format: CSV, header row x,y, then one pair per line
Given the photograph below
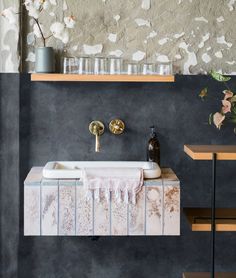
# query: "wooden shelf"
x,y
204,152
101,78
200,219
208,275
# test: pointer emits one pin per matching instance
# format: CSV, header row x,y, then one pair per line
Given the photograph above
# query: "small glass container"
x,y
164,69
115,65
84,65
70,65
100,65
148,69
132,68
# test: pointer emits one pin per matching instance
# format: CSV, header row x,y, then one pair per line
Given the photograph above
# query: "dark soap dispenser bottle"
x,y
153,148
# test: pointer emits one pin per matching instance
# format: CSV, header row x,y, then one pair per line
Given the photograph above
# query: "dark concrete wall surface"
x,y
49,121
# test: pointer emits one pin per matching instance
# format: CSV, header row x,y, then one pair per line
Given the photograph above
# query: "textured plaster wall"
x,y
9,38
197,35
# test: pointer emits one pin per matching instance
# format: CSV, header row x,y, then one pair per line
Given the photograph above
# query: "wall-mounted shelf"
x,y
101,78
200,219
204,152
208,275
211,219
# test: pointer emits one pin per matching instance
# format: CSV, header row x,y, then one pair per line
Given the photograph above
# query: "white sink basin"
x,y
73,169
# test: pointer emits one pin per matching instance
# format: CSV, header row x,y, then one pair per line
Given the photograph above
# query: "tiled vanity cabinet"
x,y
59,207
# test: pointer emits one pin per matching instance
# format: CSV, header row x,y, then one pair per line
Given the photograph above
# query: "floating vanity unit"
x,y
59,207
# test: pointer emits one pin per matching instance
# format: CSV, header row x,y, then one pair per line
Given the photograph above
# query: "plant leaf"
x,y
210,118
219,77
233,109
203,93
233,119
233,98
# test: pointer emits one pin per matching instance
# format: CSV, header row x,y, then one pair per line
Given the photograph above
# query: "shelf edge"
x,y
57,77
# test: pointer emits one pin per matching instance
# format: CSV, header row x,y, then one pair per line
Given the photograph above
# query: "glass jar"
x,y
115,65
100,65
164,68
70,65
84,65
132,68
148,68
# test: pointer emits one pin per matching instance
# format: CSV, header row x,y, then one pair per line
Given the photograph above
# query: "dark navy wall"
x,y
53,124
9,174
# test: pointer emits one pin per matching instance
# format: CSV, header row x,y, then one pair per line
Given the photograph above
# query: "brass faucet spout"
x,y
97,129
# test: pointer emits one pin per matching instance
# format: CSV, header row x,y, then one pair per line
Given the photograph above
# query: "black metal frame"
x,y
213,205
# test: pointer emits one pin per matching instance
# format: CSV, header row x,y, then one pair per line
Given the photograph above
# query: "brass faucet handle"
x,y
96,128
117,126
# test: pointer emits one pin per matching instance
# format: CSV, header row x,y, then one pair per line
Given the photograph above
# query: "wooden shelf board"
x,y
200,219
101,78
204,152
208,275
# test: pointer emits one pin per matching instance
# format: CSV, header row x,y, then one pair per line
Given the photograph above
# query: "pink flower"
x,y
70,21
226,106
218,119
228,94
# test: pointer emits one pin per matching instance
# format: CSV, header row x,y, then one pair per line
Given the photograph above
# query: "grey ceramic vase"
x,y
44,62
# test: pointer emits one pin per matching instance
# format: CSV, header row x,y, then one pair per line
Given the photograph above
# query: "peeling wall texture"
x,y
9,38
197,35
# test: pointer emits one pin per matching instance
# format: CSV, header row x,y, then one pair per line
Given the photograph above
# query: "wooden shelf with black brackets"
x,y
199,219
204,152
211,219
56,77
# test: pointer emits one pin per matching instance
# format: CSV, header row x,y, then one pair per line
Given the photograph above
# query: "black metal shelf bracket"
x,y
213,211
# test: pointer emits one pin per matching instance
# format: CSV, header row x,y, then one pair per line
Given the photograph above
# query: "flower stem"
x,y
48,37
41,32
227,86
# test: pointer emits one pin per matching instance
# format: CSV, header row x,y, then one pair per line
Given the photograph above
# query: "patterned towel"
x,y
124,183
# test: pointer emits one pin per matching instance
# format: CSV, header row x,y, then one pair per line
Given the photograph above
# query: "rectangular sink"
x,y
73,169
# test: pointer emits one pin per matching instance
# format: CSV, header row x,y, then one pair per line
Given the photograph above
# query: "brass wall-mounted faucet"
x,y
97,129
